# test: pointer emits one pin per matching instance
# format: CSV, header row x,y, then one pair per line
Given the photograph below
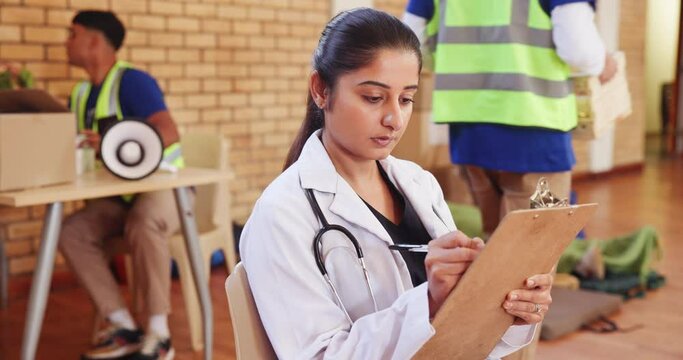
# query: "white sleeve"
x,y
576,38
299,314
416,23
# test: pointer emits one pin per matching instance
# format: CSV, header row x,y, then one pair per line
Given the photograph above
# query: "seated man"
x,y
116,89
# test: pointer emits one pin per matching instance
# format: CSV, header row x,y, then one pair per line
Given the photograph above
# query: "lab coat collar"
x,y
317,172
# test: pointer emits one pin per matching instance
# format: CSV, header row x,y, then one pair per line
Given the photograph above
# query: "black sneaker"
x,y
154,347
114,342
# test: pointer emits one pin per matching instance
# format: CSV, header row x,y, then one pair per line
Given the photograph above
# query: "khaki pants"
x,y
145,226
498,192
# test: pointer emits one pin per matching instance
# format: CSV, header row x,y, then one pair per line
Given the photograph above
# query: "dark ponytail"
x,y
349,42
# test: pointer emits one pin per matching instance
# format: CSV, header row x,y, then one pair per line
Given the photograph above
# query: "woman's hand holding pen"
x,y
448,258
530,304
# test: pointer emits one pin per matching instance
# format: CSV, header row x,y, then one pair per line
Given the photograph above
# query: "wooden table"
x,y
99,184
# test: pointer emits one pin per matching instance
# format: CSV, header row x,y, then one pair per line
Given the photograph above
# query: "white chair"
x,y
214,224
251,341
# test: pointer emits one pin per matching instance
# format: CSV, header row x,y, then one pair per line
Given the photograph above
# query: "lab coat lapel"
x,y
412,189
318,173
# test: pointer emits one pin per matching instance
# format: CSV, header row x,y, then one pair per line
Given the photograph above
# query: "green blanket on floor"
x,y
630,254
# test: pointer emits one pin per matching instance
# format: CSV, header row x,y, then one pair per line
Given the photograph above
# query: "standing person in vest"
x,y
502,84
146,220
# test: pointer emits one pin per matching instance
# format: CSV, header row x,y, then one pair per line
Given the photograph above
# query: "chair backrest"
x,y
212,202
251,341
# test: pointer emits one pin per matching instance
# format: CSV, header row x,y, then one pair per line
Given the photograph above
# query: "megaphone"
x,y
131,149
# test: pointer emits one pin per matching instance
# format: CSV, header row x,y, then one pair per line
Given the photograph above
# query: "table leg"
x,y
40,286
189,226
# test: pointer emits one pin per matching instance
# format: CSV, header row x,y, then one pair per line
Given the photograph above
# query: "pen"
x,y
408,247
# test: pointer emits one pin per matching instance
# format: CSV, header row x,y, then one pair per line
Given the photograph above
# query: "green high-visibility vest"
x,y
108,104
495,62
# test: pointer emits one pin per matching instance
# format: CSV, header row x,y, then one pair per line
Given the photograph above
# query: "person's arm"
x,y
417,13
578,42
164,124
519,334
142,98
296,306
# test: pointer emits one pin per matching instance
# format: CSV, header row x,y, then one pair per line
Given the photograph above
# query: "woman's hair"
x,y
350,41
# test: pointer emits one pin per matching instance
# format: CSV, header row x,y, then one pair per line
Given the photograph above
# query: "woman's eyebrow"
x,y
383,85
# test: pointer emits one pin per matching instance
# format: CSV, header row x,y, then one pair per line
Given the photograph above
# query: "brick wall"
x,y
235,67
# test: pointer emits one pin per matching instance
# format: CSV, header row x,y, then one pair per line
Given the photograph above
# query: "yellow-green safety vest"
x,y
495,62
108,104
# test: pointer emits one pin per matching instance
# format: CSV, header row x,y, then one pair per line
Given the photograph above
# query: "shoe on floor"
x,y
114,342
155,347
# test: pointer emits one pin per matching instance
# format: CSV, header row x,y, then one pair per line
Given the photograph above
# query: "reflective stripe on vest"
x,y
495,62
108,104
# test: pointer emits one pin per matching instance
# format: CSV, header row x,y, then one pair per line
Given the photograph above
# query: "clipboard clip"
x,y
543,198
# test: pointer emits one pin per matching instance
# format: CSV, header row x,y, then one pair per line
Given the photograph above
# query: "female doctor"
x,y
313,296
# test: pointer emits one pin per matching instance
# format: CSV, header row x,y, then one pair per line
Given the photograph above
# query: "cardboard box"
x,y
600,106
36,149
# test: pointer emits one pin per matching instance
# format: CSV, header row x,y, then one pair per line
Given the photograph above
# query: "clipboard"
x,y
527,242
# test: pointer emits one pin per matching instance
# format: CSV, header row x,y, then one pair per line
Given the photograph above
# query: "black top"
x,y
409,231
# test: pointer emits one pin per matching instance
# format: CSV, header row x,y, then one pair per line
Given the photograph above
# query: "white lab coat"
x,y
297,307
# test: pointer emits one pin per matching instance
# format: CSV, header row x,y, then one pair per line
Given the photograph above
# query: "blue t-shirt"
x,y
507,148
139,95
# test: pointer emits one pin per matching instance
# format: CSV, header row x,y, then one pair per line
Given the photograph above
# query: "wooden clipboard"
x,y
526,242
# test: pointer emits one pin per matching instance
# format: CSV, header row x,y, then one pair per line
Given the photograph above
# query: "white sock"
x,y
159,325
122,317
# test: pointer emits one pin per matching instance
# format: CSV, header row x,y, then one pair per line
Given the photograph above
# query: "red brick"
x,y
10,214
21,265
24,229
18,248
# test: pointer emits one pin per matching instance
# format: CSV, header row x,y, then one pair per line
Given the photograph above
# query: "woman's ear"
x,y
318,89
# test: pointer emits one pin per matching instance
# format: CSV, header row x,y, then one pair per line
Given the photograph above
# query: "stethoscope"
x,y
318,252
